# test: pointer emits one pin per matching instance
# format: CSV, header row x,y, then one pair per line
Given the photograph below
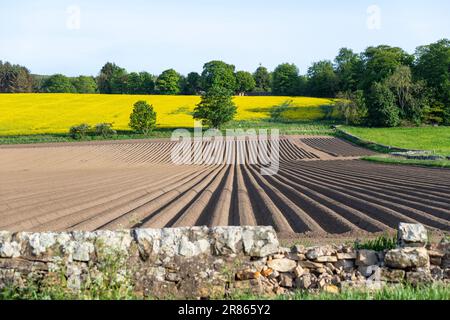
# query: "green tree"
x,y
134,85
262,79
15,79
244,82
381,62
143,118
352,107
409,95
168,82
322,80
348,66
382,110
433,66
58,83
84,84
110,79
192,84
285,80
218,74
147,83
216,107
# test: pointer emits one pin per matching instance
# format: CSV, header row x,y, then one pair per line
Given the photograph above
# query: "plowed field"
x,y
320,189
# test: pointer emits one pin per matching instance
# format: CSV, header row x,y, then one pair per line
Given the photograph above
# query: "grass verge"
x,y
400,161
434,139
436,291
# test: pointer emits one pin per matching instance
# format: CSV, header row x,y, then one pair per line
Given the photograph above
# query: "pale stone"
x,y
326,259
282,265
148,241
40,242
407,258
346,256
317,252
412,235
9,250
82,251
226,240
260,241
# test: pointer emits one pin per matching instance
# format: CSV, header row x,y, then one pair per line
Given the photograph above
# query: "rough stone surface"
x,y
201,262
318,252
282,265
392,275
407,258
366,258
412,235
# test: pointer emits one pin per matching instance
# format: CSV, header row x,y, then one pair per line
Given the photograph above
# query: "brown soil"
x,y
322,193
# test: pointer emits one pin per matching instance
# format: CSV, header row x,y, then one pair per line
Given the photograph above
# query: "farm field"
x,y
321,188
30,114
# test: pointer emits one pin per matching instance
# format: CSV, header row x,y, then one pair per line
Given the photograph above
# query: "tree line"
x,y
382,86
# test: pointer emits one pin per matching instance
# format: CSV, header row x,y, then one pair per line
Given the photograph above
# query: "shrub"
x,y
80,131
143,118
351,106
383,112
105,130
378,244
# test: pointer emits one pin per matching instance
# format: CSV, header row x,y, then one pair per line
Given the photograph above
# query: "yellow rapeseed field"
x,y
23,114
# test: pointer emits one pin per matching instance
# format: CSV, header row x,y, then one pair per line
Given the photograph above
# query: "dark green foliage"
x,y
382,110
285,80
192,85
143,118
348,67
381,62
147,83
262,80
322,80
244,82
15,79
58,83
134,83
433,66
218,74
110,79
80,131
84,84
168,82
140,83
216,107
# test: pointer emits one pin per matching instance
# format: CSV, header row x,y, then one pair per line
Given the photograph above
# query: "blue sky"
x,y
184,34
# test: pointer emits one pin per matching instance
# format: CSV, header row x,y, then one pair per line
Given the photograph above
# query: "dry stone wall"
x,y
201,262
